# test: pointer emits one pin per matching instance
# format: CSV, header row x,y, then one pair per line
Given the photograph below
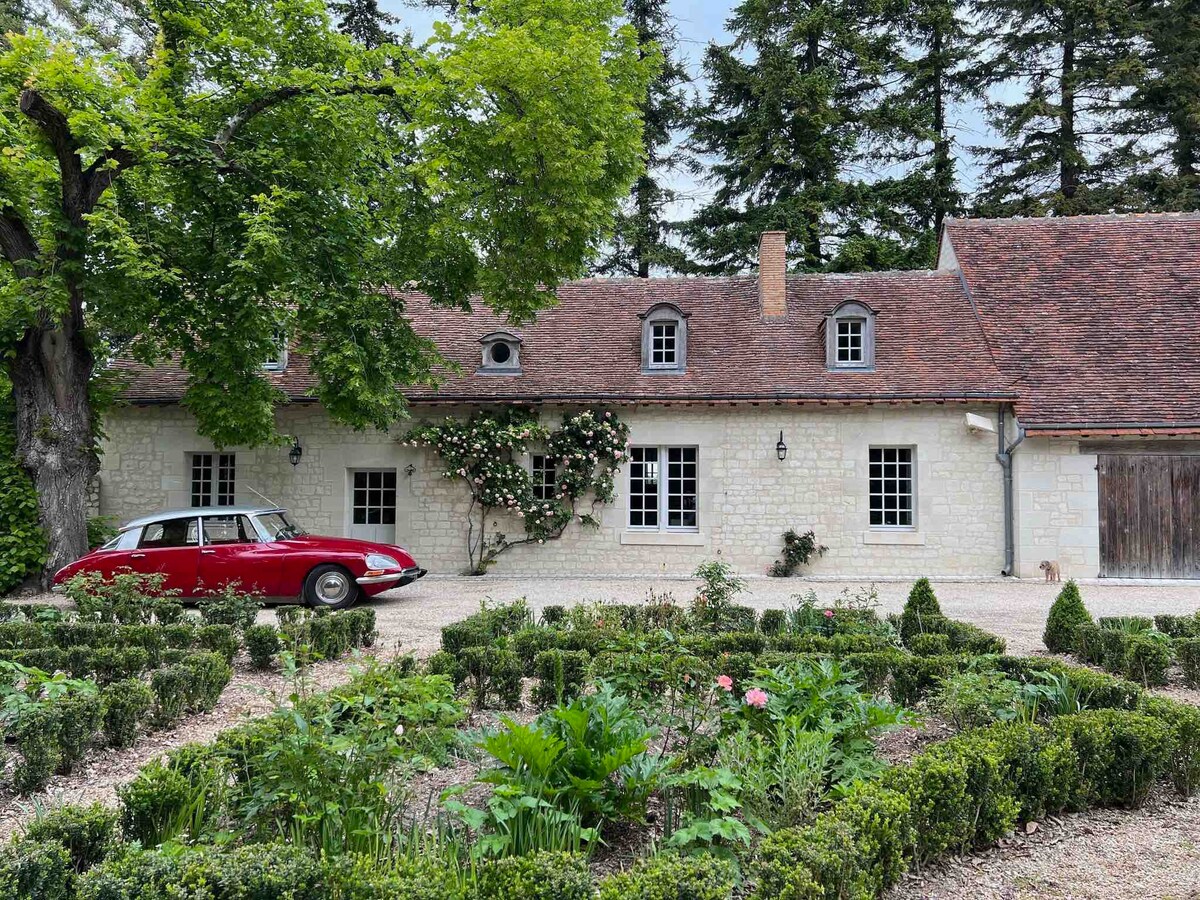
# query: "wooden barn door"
x,y
1149,516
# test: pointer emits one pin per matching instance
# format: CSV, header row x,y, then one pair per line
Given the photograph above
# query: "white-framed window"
x,y
544,473
664,488
664,340
850,341
664,349
892,488
214,477
374,498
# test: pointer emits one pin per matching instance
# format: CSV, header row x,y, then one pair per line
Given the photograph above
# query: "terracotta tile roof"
x,y
1097,316
929,345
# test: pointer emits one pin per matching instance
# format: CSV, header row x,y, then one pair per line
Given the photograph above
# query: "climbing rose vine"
x,y
486,453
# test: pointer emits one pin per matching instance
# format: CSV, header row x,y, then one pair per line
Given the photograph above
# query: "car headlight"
x,y
379,561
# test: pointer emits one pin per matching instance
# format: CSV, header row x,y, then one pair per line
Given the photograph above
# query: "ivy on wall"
x,y
22,542
487,451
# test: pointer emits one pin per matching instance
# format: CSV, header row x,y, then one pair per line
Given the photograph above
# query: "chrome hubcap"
x,y
332,588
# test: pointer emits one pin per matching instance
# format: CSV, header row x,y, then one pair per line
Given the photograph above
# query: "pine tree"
x,y
792,107
1056,138
1160,119
364,21
639,242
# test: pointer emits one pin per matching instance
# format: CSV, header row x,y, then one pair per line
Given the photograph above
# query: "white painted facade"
x,y
747,497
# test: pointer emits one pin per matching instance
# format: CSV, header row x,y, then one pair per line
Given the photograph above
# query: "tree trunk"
x,y
1068,171
943,167
50,373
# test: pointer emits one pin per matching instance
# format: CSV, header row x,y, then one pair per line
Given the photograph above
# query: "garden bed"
x,y
803,753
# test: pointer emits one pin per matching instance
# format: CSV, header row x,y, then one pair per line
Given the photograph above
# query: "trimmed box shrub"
x,y
1067,613
171,687
219,639
154,800
772,621
539,876
80,718
1120,755
553,615
1185,757
36,870
127,704
209,675
37,739
262,643
493,674
87,832
1147,658
929,644
1178,626
921,606
669,877
1187,651
561,675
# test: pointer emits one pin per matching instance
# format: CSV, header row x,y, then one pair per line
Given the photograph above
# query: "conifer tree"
x,y
1054,154
364,21
639,242
793,108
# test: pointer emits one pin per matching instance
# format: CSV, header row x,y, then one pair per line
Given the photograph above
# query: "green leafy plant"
x,y
87,832
712,606
230,606
798,551
700,806
484,452
1067,613
921,610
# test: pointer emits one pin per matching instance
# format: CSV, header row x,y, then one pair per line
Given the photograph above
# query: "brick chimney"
x,y
772,274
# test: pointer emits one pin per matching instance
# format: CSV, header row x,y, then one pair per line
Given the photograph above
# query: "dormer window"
x,y
278,361
850,337
501,354
664,340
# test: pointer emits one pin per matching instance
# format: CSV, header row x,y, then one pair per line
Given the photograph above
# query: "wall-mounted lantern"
x,y
781,448
296,452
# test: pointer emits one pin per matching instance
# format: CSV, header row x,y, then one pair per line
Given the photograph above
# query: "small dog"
x,y
1050,567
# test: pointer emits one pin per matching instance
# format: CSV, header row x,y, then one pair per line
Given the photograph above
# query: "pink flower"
x,y
756,698
829,613
725,683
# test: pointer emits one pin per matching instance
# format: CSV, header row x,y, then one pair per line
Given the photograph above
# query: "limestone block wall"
x,y
1057,502
747,497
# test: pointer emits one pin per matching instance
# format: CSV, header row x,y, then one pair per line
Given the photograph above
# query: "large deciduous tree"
x,y
262,176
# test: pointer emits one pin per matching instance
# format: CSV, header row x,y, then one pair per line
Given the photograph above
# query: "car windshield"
x,y
278,526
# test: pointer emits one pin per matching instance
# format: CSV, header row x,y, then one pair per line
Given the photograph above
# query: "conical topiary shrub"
x,y
921,612
1066,615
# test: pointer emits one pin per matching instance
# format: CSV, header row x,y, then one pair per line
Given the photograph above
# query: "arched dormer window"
x,y
664,340
850,337
501,354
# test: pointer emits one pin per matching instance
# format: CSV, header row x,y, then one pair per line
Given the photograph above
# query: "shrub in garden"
x,y
37,739
87,832
158,804
1119,755
670,877
1067,613
80,717
37,871
921,606
171,686
262,643
929,644
773,621
1184,718
1147,658
798,550
1126,623
561,675
230,606
126,705
553,615
540,876
1187,651
1178,626
362,626
218,638
209,675
492,673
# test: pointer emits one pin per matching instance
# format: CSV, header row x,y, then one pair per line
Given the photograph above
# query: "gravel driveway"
x,y
411,617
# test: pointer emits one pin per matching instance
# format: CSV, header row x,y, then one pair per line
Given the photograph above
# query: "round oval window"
x,y
501,353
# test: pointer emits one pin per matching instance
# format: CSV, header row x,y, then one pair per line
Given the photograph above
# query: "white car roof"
x,y
202,511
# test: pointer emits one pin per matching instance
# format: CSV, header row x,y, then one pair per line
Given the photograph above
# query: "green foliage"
x,y
712,606
1067,613
229,606
262,643
37,738
1178,626
1120,755
540,876
670,877
700,806
929,644
493,674
22,541
798,550
921,611
87,832
124,598
1187,651
1128,646
561,675
36,870
221,639
163,802
485,452
127,705
1184,720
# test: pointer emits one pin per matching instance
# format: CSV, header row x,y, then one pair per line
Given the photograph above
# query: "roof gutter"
x,y
1004,456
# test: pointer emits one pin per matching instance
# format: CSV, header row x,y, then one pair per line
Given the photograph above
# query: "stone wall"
x,y
1056,493
747,496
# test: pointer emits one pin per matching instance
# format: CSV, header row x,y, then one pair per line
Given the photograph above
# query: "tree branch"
x,y
221,140
101,174
57,130
17,244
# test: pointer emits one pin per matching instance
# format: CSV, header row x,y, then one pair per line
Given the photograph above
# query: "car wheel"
x,y
330,587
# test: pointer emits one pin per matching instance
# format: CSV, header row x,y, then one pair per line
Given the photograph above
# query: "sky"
x,y
698,23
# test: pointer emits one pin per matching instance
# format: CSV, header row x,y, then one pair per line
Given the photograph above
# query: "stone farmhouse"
x,y
1035,397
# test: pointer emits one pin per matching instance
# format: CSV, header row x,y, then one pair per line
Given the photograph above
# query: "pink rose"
x,y
756,698
725,683
829,613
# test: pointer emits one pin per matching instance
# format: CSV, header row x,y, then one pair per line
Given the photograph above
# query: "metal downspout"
x,y
1004,456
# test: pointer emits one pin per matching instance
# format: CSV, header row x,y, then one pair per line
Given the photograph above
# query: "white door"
x,y
373,505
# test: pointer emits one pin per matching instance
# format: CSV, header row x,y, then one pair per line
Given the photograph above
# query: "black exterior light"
x,y
296,452
781,448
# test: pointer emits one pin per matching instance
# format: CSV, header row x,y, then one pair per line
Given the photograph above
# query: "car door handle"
x,y
207,552
137,555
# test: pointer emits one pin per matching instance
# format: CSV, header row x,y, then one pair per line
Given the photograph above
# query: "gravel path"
x,y
412,617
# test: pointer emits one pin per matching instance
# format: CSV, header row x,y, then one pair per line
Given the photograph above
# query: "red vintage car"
x,y
201,550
